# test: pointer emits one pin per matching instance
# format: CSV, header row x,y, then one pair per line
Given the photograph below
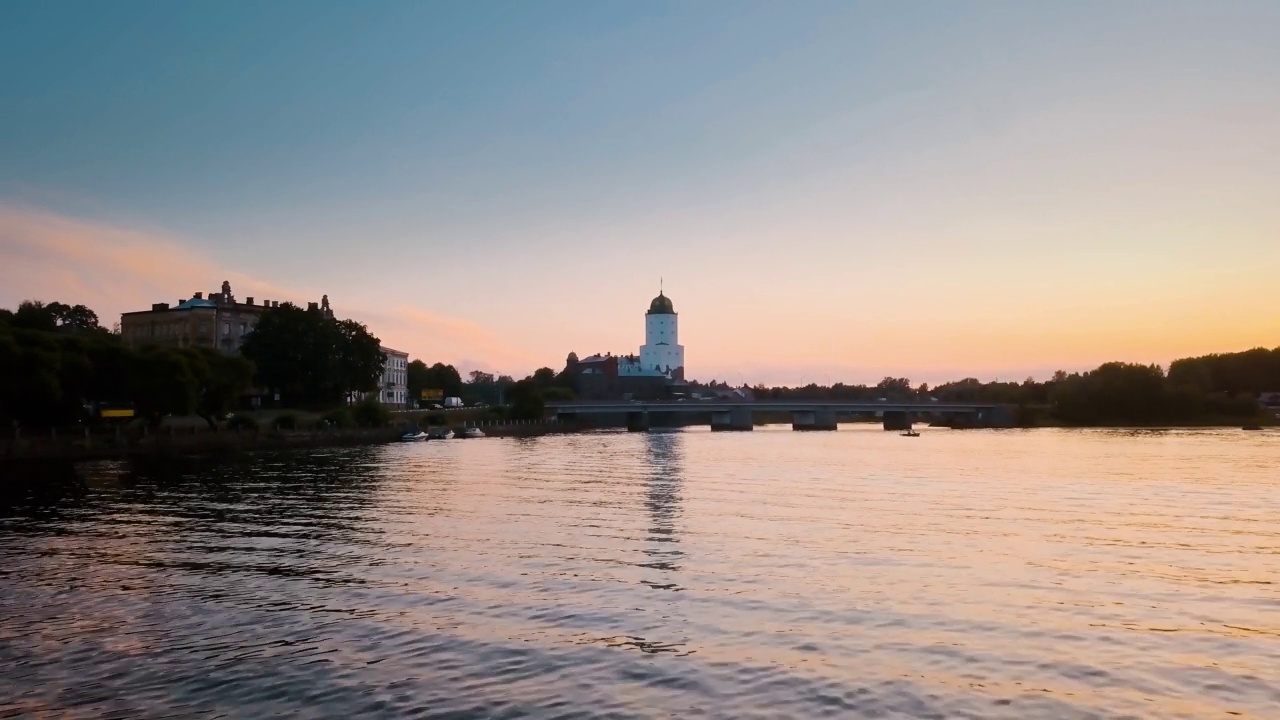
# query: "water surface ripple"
x,y
1015,574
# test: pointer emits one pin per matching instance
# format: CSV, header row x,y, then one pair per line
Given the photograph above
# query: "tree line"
x,y
59,366
525,399
1212,388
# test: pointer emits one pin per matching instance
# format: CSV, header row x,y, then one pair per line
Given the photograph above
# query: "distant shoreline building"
x,y
652,374
393,387
217,321
221,322
662,355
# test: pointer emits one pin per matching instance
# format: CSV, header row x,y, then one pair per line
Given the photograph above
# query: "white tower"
x,y
662,351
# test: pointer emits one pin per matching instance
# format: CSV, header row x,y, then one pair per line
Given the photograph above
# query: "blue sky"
x,y
830,189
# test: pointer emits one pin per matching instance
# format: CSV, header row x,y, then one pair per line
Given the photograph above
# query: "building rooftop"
x,y
661,305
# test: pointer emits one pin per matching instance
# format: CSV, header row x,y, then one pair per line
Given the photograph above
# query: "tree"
x,y
527,402
30,391
311,359
161,383
360,358
416,378
35,315
55,316
894,388
220,381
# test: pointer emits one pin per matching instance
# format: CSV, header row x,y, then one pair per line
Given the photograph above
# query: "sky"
x,y
828,191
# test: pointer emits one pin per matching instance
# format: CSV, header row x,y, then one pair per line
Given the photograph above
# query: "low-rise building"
x,y
217,321
393,387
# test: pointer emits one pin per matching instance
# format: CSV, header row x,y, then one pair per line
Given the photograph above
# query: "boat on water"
x,y
911,433
409,437
473,432
442,434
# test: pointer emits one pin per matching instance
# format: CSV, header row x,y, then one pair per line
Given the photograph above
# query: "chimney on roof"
x,y
313,306
215,296
199,296
156,307
275,303
248,300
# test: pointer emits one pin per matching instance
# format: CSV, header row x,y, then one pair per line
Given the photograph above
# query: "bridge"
x,y
805,414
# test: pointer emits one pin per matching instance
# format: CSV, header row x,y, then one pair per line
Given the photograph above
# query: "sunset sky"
x,y
832,191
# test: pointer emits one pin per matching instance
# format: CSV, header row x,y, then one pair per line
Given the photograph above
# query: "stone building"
x,y
662,355
657,372
217,321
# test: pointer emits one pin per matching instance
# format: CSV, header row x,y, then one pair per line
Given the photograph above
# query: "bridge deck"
x,y
702,406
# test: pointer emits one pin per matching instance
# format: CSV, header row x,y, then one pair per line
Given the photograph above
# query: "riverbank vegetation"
x,y
1219,389
59,367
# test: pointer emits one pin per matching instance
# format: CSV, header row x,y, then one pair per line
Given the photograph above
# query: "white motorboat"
x,y
473,432
442,434
408,437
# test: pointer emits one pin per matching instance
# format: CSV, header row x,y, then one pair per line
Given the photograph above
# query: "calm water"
x,y
1054,574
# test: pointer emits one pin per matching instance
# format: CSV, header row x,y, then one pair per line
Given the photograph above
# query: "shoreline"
x,y
85,445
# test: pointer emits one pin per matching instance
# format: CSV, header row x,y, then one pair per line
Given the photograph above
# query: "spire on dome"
x,y
661,305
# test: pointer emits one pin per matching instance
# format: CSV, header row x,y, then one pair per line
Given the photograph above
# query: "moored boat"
x,y
473,432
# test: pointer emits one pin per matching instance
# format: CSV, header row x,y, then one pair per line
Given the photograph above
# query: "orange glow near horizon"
x,y
788,338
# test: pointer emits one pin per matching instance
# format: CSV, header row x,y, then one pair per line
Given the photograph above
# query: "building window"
x,y
242,328
204,328
226,328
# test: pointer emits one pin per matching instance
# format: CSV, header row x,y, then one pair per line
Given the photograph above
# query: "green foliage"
x,y
434,419
55,316
445,378
338,418
1252,371
526,401
485,388
556,393
312,360
220,381
370,413
161,383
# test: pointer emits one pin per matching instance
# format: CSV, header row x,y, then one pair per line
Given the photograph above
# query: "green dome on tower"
x,y
661,305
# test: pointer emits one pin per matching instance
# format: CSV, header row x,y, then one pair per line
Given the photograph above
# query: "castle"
x,y
649,375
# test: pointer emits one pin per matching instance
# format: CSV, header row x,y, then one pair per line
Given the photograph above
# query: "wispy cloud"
x,y
46,256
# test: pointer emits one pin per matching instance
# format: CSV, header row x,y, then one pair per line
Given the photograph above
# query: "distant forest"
x,y
1211,389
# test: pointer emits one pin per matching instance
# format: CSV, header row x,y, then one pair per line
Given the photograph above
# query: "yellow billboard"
x,y
432,394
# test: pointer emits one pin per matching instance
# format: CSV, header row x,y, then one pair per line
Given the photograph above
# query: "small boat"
x,y
444,434
911,433
408,437
473,432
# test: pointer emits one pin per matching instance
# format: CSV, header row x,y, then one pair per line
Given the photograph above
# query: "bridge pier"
x,y
897,420
733,419
813,420
638,421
